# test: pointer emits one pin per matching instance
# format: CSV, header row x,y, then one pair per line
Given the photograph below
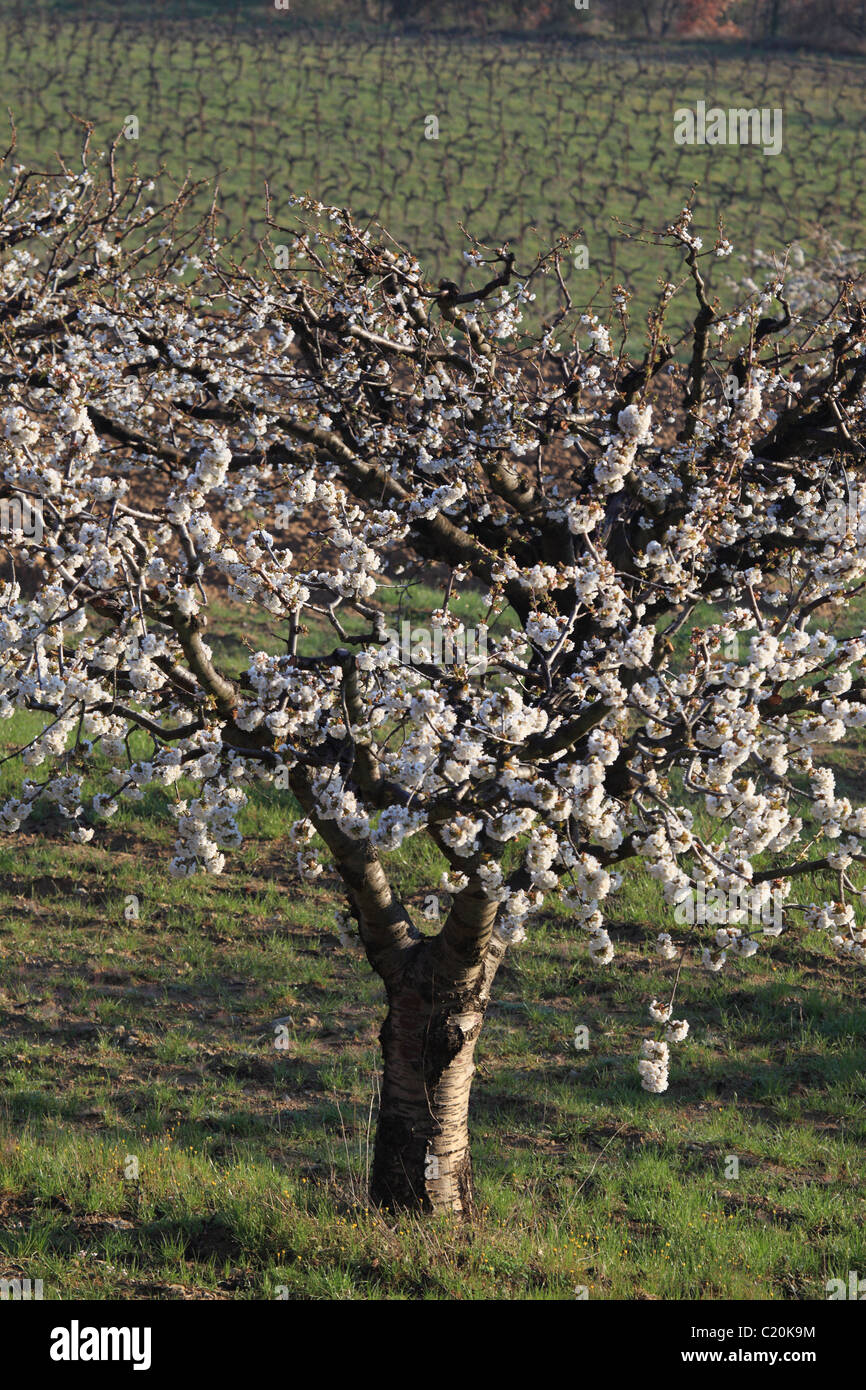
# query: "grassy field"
x,y
154,1039
534,140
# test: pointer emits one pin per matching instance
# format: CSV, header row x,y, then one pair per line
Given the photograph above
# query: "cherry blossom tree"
x,y
167,410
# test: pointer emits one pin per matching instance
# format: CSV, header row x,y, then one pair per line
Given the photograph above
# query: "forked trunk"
x,y
422,1158
438,989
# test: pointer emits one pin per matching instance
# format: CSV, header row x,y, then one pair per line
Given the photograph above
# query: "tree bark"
x,y
422,1157
438,989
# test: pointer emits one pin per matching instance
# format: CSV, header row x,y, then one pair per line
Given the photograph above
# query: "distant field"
x,y
535,139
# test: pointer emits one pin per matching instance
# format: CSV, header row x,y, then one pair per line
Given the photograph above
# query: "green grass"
x,y
534,140
155,1039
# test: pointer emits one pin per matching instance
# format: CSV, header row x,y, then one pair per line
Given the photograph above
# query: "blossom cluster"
x,y
181,423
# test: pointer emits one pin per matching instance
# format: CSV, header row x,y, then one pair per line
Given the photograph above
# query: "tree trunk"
x,y
438,989
422,1159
